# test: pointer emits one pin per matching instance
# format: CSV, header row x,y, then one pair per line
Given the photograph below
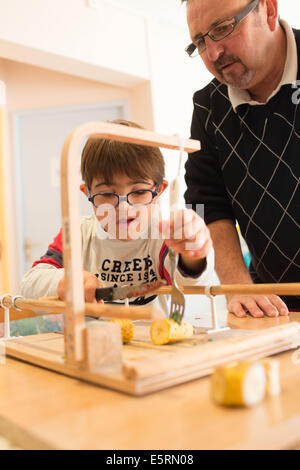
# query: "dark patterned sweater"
x,y
248,170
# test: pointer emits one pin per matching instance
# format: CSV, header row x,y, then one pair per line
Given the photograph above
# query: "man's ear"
x,y
84,189
272,13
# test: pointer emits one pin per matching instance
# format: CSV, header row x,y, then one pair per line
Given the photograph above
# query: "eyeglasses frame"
x,y
190,49
124,198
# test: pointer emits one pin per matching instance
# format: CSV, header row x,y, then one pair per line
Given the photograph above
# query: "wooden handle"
x,y
224,289
247,289
54,305
93,310
135,135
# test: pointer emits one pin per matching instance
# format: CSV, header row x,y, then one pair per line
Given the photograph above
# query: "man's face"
x,y
239,59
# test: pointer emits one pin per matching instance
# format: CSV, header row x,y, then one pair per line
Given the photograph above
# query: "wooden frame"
x,y
196,357
70,214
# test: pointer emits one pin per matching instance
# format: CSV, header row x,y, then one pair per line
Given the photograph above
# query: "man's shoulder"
x,y
297,37
213,92
297,34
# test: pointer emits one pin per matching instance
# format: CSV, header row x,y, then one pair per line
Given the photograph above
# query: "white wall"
x,y
68,36
110,44
115,44
289,10
174,79
32,88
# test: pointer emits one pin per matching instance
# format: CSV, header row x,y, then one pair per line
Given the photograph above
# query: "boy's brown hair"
x,y
105,158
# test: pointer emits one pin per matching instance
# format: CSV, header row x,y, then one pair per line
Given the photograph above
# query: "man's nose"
x,y
214,49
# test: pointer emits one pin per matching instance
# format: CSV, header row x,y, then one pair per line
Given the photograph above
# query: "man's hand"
x,y
90,283
231,269
188,235
256,305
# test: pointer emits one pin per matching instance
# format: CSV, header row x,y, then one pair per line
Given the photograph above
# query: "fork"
x,y
177,306
177,298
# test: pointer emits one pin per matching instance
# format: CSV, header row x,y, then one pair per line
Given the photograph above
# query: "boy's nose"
x,y
123,204
122,210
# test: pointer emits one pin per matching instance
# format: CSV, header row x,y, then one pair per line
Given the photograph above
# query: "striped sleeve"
x,y
161,268
53,255
182,278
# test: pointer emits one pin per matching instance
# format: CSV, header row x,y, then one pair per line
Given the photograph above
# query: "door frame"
x,y
17,117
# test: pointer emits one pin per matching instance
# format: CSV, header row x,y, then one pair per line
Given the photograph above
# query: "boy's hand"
x,y
90,283
188,235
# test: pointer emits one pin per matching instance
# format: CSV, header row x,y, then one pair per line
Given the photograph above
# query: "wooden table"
x,y
44,410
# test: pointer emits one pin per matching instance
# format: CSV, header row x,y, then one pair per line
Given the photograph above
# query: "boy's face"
x,y
124,222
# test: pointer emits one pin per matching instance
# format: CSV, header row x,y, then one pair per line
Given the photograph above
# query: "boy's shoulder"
x,y
88,221
88,226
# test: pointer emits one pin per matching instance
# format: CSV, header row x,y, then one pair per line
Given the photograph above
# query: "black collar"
x,y
297,37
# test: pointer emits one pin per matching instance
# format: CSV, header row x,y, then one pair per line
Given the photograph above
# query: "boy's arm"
x,y
41,281
184,276
46,277
204,274
43,278
187,234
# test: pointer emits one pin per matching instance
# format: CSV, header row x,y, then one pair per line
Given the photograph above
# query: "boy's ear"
x,y
84,189
162,187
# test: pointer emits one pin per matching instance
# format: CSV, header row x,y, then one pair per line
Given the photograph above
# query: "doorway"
x,y
38,140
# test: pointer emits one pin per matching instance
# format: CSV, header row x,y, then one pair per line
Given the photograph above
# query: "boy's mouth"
x,y
126,221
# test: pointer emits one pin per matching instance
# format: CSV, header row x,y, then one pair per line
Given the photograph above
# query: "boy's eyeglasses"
x,y
139,197
220,31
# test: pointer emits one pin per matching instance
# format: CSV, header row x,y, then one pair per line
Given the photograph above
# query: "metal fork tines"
x,y
177,298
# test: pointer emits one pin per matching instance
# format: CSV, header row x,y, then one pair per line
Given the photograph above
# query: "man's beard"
x,y
237,80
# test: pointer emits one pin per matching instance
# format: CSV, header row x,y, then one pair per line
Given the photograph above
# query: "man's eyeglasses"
x,y
220,31
139,197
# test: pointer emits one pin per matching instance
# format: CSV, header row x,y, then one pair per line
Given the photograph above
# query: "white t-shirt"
x,y
114,262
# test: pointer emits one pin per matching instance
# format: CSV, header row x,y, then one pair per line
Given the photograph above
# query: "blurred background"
x,y
65,62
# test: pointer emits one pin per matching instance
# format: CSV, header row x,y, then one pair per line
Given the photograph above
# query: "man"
x,y
248,122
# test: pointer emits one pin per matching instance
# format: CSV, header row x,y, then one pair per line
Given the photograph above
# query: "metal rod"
x,y
6,323
214,315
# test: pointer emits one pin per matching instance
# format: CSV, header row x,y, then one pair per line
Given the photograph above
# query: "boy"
x,y
123,182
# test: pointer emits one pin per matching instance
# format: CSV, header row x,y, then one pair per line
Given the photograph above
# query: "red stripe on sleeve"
x,y
57,242
161,268
54,253
47,261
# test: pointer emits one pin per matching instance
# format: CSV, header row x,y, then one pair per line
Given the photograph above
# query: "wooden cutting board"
x,y
147,368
